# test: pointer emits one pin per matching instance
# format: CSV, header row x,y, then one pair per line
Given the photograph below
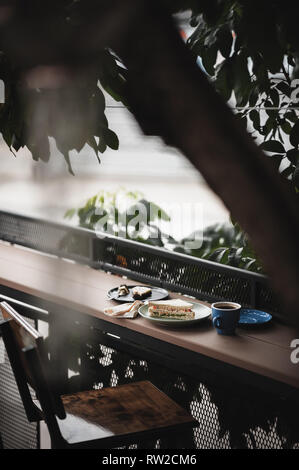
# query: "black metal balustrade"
x,y
178,272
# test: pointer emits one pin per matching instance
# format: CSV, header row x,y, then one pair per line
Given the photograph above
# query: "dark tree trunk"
x,y
171,97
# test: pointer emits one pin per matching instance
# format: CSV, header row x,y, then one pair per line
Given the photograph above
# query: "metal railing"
x,y
178,272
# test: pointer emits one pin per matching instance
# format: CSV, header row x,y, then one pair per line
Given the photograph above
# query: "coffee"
x,y
225,317
226,306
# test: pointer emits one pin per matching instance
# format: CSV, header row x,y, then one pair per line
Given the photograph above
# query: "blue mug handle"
x,y
217,322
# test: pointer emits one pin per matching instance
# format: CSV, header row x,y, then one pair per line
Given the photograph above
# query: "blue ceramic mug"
x,y
225,317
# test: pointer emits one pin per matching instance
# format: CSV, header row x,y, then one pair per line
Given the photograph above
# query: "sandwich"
x,y
128,310
177,309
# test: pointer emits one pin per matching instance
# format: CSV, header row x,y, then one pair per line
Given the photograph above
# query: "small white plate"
x,y
201,313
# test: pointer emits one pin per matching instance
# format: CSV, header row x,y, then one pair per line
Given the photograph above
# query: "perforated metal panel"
x,y
51,238
266,299
229,414
16,431
179,273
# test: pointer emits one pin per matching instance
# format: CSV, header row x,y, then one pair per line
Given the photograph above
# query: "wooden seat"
x,y
91,419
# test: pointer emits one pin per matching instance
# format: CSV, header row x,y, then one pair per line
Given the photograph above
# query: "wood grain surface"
x,y
126,409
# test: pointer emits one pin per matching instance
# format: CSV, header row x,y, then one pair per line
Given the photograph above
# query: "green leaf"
x,y
242,80
294,136
291,61
154,211
208,57
250,264
70,213
288,171
68,162
284,88
111,139
273,113
92,143
272,146
253,96
291,116
210,38
39,149
224,79
255,118
296,177
225,39
268,127
276,160
102,145
293,156
274,96
220,255
286,127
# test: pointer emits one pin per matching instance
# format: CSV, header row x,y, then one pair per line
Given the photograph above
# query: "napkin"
x,y
127,310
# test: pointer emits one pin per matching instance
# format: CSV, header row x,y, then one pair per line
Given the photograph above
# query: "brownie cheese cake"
x,y
176,308
140,292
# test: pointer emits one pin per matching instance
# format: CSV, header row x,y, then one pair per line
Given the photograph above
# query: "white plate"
x,y
201,313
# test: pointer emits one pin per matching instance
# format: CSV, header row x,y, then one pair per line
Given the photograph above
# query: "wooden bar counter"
x,y
265,352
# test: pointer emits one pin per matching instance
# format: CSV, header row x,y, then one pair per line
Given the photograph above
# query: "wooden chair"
x,y
104,418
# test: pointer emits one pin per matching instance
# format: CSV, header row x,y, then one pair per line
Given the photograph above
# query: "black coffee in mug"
x,y
225,317
227,306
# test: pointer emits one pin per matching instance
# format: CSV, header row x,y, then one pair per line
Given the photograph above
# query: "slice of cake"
x,y
141,292
176,308
123,290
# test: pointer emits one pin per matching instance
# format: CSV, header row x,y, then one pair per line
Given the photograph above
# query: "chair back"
x,y
19,338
